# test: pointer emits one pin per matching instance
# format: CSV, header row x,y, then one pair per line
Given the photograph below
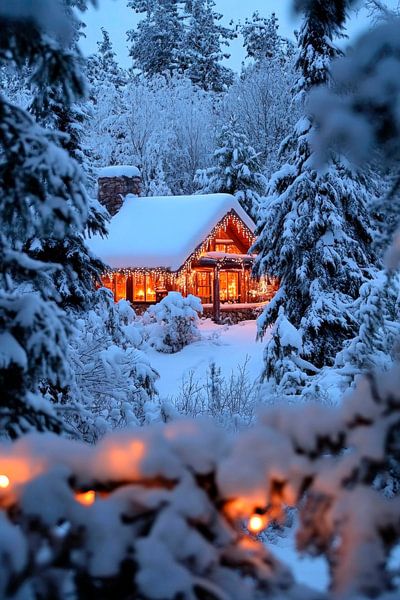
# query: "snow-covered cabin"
x,y
192,244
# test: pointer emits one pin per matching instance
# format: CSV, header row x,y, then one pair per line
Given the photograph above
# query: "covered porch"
x,y
225,279
222,281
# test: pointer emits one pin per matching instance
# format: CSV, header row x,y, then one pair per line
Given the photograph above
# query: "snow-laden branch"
x,y
164,511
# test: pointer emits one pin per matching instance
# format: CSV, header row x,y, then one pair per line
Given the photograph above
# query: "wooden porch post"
x,y
216,298
129,288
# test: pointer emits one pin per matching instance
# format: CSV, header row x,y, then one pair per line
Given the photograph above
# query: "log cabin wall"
x,y
236,285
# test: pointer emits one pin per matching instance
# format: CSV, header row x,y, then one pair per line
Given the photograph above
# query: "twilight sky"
x,y
117,18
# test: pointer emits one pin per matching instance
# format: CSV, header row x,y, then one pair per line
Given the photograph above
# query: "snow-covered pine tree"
x,y
260,36
315,234
102,67
385,207
42,198
158,185
15,85
377,311
75,282
202,47
285,369
237,169
156,43
105,135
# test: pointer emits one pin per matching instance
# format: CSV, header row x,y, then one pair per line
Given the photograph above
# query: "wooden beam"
x,y
129,288
216,298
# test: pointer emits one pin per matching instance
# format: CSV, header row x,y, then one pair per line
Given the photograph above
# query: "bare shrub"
x,y
229,400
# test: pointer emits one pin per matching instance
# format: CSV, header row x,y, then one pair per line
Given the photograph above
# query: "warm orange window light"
x,y
257,523
229,286
139,287
4,482
120,287
108,282
227,248
144,288
86,498
150,289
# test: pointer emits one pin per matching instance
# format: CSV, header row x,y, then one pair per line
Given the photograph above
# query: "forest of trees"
x,y
307,138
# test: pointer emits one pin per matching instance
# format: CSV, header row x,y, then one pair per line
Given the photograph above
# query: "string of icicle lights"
x,y
185,270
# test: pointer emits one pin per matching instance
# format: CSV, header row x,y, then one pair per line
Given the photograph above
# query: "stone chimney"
x,y
114,183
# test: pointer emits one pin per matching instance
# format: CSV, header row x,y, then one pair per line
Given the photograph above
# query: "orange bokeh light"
x,y
257,523
137,449
86,498
4,482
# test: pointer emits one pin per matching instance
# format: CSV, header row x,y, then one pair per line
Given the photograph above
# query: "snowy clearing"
x,y
226,345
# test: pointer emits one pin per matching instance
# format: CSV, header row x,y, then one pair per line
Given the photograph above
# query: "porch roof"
x,y
162,232
226,260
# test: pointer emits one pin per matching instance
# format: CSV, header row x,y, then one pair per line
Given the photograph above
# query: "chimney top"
x,y
115,183
118,171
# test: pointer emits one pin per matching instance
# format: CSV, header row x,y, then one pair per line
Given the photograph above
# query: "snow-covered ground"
x,y
227,346
307,570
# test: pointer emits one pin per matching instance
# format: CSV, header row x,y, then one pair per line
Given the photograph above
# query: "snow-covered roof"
x,y
162,231
118,171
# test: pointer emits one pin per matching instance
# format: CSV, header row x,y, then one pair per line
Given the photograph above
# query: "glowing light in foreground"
x,y
4,482
256,523
86,498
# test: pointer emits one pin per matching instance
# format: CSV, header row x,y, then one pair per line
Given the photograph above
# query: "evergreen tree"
x,y
284,367
15,85
237,170
157,183
103,67
315,233
75,282
181,37
105,136
42,199
156,43
202,47
385,207
260,37
376,310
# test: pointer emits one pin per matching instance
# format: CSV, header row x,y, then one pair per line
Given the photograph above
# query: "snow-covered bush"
x,y
113,384
172,324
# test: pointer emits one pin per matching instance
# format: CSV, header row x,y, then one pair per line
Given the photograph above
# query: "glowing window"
x,y
139,287
150,289
144,288
108,282
119,287
203,286
227,248
229,286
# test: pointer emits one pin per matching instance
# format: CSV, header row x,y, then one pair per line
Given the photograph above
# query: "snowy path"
x,y
227,346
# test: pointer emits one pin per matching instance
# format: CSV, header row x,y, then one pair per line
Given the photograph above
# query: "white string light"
x,y
184,277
